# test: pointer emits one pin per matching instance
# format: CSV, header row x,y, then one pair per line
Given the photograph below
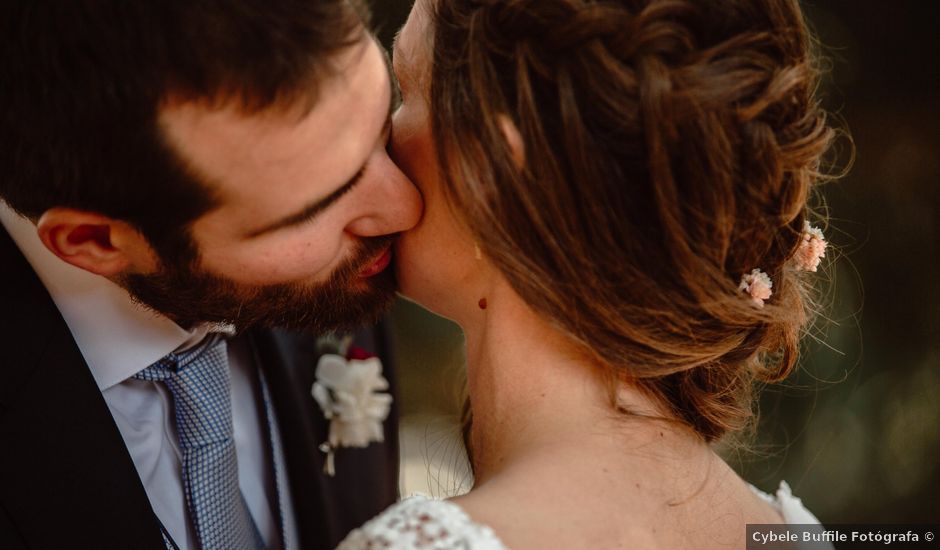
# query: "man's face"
x,y
309,203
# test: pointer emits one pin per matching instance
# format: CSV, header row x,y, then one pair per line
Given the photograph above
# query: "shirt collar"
x,y
117,336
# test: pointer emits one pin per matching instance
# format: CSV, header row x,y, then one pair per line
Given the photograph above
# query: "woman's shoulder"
x,y
425,523
790,507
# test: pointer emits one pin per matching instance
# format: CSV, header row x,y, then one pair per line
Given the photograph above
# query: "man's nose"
x,y
390,203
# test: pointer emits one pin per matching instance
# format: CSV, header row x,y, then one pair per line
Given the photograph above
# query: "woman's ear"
x,y
95,242
514,139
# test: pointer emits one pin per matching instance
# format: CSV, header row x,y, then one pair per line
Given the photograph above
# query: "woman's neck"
x,y
554,461
533,397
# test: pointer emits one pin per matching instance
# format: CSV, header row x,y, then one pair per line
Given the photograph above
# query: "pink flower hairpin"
x,y
757,285
812,248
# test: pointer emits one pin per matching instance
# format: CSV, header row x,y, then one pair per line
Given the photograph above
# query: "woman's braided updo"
x,y
670,148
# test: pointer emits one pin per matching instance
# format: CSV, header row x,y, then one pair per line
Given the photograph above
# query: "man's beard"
x,y
190,296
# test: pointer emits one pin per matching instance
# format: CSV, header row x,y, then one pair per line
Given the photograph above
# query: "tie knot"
x,y
199,381
211,350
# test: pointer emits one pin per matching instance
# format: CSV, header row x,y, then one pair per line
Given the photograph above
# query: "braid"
x,y
671,148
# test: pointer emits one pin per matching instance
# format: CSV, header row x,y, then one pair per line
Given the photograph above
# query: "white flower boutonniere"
x,y
350,392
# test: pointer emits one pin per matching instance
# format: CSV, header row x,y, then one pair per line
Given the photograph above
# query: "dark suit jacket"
x,y
66,478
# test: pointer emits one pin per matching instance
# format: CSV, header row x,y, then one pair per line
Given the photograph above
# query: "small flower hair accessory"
x,y
812,248
757,285
350,392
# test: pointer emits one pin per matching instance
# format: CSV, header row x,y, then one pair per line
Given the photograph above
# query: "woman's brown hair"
x,y
670,147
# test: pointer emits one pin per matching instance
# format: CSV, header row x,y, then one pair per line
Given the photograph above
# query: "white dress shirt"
x,y
119,338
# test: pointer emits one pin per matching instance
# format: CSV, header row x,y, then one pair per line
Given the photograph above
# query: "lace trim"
x,y
420,522
427,524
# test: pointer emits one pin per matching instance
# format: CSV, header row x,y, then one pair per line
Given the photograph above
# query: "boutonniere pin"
x,y
352,394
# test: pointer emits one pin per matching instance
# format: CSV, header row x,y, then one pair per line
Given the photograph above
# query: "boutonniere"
x,y
351,394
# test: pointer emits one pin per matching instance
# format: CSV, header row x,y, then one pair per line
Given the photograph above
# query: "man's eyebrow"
x,y
313,209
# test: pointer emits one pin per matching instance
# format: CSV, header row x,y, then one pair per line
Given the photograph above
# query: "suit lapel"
x,y
283,359
66,478
366,481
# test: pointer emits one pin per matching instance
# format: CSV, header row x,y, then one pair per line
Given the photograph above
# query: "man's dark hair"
x,y
82,83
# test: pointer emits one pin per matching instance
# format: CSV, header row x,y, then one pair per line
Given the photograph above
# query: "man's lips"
x,y
378,265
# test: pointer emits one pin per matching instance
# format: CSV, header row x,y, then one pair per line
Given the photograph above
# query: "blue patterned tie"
x,y
198,379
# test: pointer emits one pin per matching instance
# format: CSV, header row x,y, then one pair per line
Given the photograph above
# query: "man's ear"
x,y
514,140
95,242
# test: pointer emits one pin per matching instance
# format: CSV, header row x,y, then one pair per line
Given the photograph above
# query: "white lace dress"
x,y
422,523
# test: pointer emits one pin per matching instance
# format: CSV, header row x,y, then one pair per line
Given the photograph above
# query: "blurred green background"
x,y
856,430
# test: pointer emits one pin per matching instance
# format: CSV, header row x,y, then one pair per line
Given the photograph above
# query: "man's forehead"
x,y
192,125
270,164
